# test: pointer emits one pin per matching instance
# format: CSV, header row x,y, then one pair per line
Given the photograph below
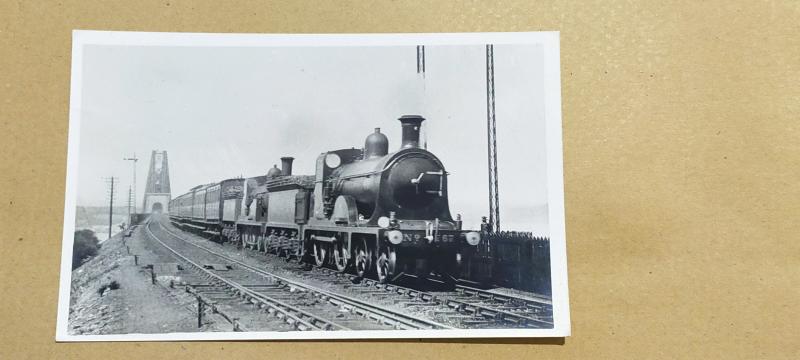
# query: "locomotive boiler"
x,y
411,183
368,211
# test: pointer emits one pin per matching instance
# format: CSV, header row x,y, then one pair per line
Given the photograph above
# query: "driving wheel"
x,y
340,257
361,258
385,266
320,254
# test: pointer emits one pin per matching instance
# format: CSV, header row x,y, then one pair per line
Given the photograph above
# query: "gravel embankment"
x,y
137,305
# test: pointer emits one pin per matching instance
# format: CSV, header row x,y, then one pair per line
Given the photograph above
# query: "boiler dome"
x,y
376,145
274,171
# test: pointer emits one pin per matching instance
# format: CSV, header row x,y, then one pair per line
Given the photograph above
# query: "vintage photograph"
x,y
249,186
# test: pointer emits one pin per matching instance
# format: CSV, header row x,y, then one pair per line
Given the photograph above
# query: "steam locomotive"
x,y
365,211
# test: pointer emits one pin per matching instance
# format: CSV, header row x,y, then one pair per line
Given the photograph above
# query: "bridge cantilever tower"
x,y
157,193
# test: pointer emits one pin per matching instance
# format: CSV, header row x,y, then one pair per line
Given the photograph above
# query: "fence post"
x,y
199,312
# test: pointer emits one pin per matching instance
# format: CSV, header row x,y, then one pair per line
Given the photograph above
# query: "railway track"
x,y
526,306
300,306
485,307
465,307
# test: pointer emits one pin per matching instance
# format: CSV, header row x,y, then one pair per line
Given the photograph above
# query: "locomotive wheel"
x,y
361,259
386,264
298,253
340,257
276,249
320,254
269,244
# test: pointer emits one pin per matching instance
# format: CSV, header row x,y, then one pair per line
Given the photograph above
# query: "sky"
x,y
222,112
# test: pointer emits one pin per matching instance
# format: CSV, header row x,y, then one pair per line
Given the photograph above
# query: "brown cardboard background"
x,y
682,167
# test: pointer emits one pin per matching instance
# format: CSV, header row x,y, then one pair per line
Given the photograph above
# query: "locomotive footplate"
x,y
426,258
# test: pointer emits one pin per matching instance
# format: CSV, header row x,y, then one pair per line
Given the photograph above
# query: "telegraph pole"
x,y
111,195
130,202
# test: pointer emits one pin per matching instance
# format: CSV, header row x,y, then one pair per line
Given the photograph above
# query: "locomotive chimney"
x,y
286,165
411,126
376,145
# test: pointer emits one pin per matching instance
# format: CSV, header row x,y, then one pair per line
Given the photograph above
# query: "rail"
x,y
293,315
396,319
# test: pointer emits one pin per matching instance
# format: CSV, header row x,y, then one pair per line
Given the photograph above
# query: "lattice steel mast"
x,y
421,73
491,130
421,60
134,159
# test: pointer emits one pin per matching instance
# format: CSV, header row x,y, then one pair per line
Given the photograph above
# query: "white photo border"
x,y
555,182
